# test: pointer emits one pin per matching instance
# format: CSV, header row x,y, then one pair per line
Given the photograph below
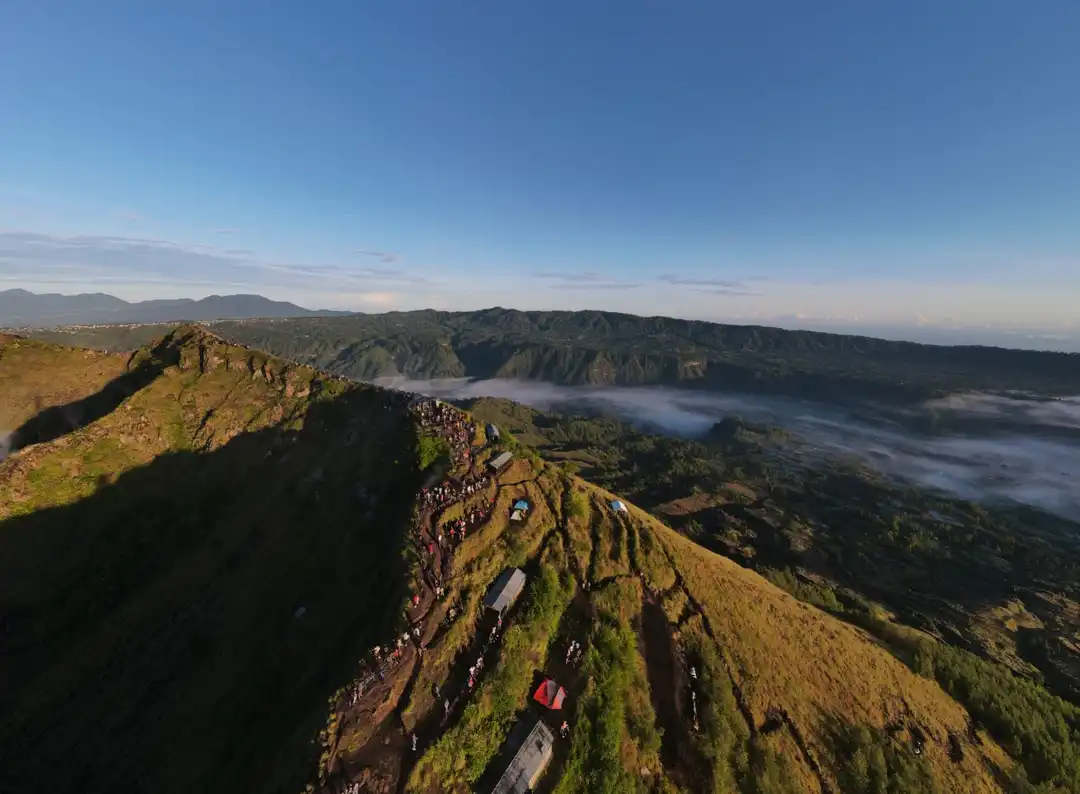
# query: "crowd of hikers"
x,y
436,544
452,532
451,699
452,490
450,424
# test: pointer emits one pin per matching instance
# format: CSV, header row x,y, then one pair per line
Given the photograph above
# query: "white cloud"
x,y
586,280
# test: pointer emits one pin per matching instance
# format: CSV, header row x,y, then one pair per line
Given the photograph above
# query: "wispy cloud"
x,y
733,291
85,260
600,285
585,275
586,279
714,286
388,257
393,274
702,282
226,230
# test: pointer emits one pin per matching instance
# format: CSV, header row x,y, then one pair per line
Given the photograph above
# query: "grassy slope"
x,y
761,652
36,375
785,654
151,561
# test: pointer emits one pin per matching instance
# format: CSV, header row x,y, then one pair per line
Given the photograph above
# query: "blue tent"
x,y
618,506
521,504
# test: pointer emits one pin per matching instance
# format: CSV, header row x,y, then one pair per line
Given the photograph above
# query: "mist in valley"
x,y
982,447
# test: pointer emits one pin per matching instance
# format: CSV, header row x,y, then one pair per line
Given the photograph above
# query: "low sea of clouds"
x,y
1010,448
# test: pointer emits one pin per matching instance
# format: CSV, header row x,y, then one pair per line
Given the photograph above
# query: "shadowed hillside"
x,y
152,559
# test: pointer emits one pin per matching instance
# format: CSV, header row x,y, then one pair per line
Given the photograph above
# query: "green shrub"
x,y
819,595
578,504
1037,729
875,764
429,449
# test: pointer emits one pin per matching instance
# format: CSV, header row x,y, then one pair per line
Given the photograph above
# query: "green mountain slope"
x,y
1003,581
203,546
591,347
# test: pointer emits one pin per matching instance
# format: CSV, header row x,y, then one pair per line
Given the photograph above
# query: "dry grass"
x,y
578,523
786,654
183,409
612,557
36,375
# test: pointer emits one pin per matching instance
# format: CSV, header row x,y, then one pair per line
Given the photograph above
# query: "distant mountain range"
x,y
22,309
592,348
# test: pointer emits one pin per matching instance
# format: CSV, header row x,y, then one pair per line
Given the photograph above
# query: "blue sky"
x,y
869,163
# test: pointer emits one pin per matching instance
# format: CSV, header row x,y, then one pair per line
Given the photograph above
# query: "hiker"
x,y
414,742
378,652
446,707
416,632
693,673
564,729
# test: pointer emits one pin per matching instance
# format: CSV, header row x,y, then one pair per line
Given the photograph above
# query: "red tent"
x,y
550,694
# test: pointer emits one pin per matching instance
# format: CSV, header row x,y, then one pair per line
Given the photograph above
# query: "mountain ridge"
x,y
21,308
593,348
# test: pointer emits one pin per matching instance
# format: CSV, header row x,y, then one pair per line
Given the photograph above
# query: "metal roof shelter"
x,y
528,764
505,590
500,462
